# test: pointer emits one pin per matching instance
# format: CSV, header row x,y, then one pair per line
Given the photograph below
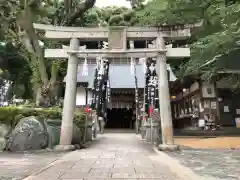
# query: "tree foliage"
x,y
20,16
216,41
210,43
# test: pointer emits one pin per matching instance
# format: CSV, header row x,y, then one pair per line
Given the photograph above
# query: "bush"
x,y
11,115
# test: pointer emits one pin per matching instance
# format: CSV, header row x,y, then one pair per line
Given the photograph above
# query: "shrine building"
x,y
121,109
122,83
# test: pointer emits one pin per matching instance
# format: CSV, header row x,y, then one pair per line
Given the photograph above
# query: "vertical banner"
x,y
151,82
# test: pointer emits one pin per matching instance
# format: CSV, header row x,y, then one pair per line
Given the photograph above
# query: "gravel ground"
x,y
218,164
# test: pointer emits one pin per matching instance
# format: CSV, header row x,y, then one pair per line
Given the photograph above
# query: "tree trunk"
x,y
28,36
38,96
31,41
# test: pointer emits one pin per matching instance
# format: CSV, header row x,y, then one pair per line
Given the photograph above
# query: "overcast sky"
x,y
103,3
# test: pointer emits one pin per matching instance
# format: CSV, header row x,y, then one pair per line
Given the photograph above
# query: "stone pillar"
x,y
143,127
164,100
69,99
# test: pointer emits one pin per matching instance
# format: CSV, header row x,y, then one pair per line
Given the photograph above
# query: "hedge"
x,y
12,114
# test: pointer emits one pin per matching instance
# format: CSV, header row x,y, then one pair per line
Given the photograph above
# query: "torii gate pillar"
x,y
164,100
69,100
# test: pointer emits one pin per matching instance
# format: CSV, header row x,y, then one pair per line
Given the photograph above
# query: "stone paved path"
x,y
16,166
112,156
218,164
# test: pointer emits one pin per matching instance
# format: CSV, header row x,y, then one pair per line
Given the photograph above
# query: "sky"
x,y
103,3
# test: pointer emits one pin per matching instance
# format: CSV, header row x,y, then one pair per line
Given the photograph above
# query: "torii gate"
x,y
117,39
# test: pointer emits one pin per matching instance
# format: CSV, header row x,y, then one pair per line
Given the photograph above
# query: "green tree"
x,y
210,44
217,40
16,68
20,16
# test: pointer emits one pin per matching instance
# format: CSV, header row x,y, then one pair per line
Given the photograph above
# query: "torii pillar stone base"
x,y
168,147
69,101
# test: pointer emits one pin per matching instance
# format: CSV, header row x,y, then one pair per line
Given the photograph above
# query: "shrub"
x,y
12,114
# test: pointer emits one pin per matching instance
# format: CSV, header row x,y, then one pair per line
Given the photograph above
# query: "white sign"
x,y
213,105
201,109
237,111
201,123
225,109
237,120
206,104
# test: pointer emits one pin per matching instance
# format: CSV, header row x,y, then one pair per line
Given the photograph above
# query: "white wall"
x,y
89,97
81,96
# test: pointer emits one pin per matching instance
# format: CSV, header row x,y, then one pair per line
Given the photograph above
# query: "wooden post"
x,y
69,100
164,100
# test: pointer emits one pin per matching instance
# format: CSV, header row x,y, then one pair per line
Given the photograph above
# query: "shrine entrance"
x,y
121,110
120,118
117,48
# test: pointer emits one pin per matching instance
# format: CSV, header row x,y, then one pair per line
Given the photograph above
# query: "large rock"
x,y
4,131
77,137
54,136
29,134
54,130
2,143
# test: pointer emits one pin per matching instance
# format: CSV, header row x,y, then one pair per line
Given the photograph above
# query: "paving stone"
x,y
102,165
73,175
124,175
100,170
105,161
109,179
19,165
141,169
113,156
122,169
81,169
86,162
52,174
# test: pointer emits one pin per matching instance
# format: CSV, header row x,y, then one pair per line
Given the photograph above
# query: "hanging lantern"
x,y
85,68
98,62
172,76
144,68
101,71
132,66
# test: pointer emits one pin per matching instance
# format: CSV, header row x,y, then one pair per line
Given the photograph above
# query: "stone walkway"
x,y
16,166
112,156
